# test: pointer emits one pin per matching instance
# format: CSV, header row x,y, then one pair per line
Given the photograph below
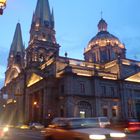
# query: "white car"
x,y
103,121
80,129
35,125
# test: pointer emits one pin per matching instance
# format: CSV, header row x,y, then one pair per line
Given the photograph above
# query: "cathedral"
x,y
40,83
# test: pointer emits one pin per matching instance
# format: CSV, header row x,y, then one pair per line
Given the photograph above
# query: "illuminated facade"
x,y
43,83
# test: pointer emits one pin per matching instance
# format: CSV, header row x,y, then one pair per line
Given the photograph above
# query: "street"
x,y
133,136
17,134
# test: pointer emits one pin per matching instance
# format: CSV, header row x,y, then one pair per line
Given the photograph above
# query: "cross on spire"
x,y
101,14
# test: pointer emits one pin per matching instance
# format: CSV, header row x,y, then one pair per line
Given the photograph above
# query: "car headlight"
x,y
97,137
117,135
5,129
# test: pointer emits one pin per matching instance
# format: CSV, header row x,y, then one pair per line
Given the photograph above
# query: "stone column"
x,y
70,105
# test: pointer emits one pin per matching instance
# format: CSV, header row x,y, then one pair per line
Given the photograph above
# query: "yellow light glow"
x,y
35,103
47,63
34,79
83,74
37,25
115,107
134,78
126,62
109,66
9,101
111,78
2,3
117,135
44,39
15,101
97,137
17,68
5,129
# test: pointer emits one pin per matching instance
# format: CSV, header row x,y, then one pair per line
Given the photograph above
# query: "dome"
x,y
103,37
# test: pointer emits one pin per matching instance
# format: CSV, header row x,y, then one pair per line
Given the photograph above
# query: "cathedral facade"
x,y
40,83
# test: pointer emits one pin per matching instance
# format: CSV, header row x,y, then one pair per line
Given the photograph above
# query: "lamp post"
x,y
2,6
35,111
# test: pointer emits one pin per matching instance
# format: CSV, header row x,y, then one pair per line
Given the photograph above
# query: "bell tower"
x,y
16,56
42,44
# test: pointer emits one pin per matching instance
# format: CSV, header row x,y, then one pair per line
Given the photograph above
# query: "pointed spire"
x,y
42,12
33,18
17,43
17,50
52,18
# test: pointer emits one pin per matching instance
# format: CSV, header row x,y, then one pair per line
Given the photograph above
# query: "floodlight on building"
x,y
2,6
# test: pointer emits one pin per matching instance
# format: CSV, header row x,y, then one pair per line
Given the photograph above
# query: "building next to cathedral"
x,y
40,83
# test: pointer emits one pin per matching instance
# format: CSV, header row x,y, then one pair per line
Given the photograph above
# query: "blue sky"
x,y
75,24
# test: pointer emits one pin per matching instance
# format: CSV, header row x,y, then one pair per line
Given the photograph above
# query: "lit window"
x,y
114,112
82,114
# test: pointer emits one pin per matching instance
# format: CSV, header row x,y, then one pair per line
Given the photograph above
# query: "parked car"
x,y
128,126
22,126
36,125
80,129
103,121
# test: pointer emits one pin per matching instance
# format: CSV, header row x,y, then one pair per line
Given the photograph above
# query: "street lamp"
x,y
2,6
35,103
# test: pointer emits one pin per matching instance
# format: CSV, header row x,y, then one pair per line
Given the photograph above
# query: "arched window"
x,y
41,58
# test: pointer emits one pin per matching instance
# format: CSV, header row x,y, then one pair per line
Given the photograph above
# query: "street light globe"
x,y
35,103
2,6
15,101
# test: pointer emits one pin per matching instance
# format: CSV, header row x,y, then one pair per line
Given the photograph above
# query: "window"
x,y
103,55
103,88
82,87
112,91
41,58
61,112
62,88
18,58
105,112
114,112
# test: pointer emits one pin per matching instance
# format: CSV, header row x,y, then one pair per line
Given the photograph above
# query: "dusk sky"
x,y
75,24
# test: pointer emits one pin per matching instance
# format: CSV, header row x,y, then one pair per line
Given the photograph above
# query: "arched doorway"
x,y
83,109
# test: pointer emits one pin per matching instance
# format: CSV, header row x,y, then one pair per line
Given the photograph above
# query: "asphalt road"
x,y
17,134
134,136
